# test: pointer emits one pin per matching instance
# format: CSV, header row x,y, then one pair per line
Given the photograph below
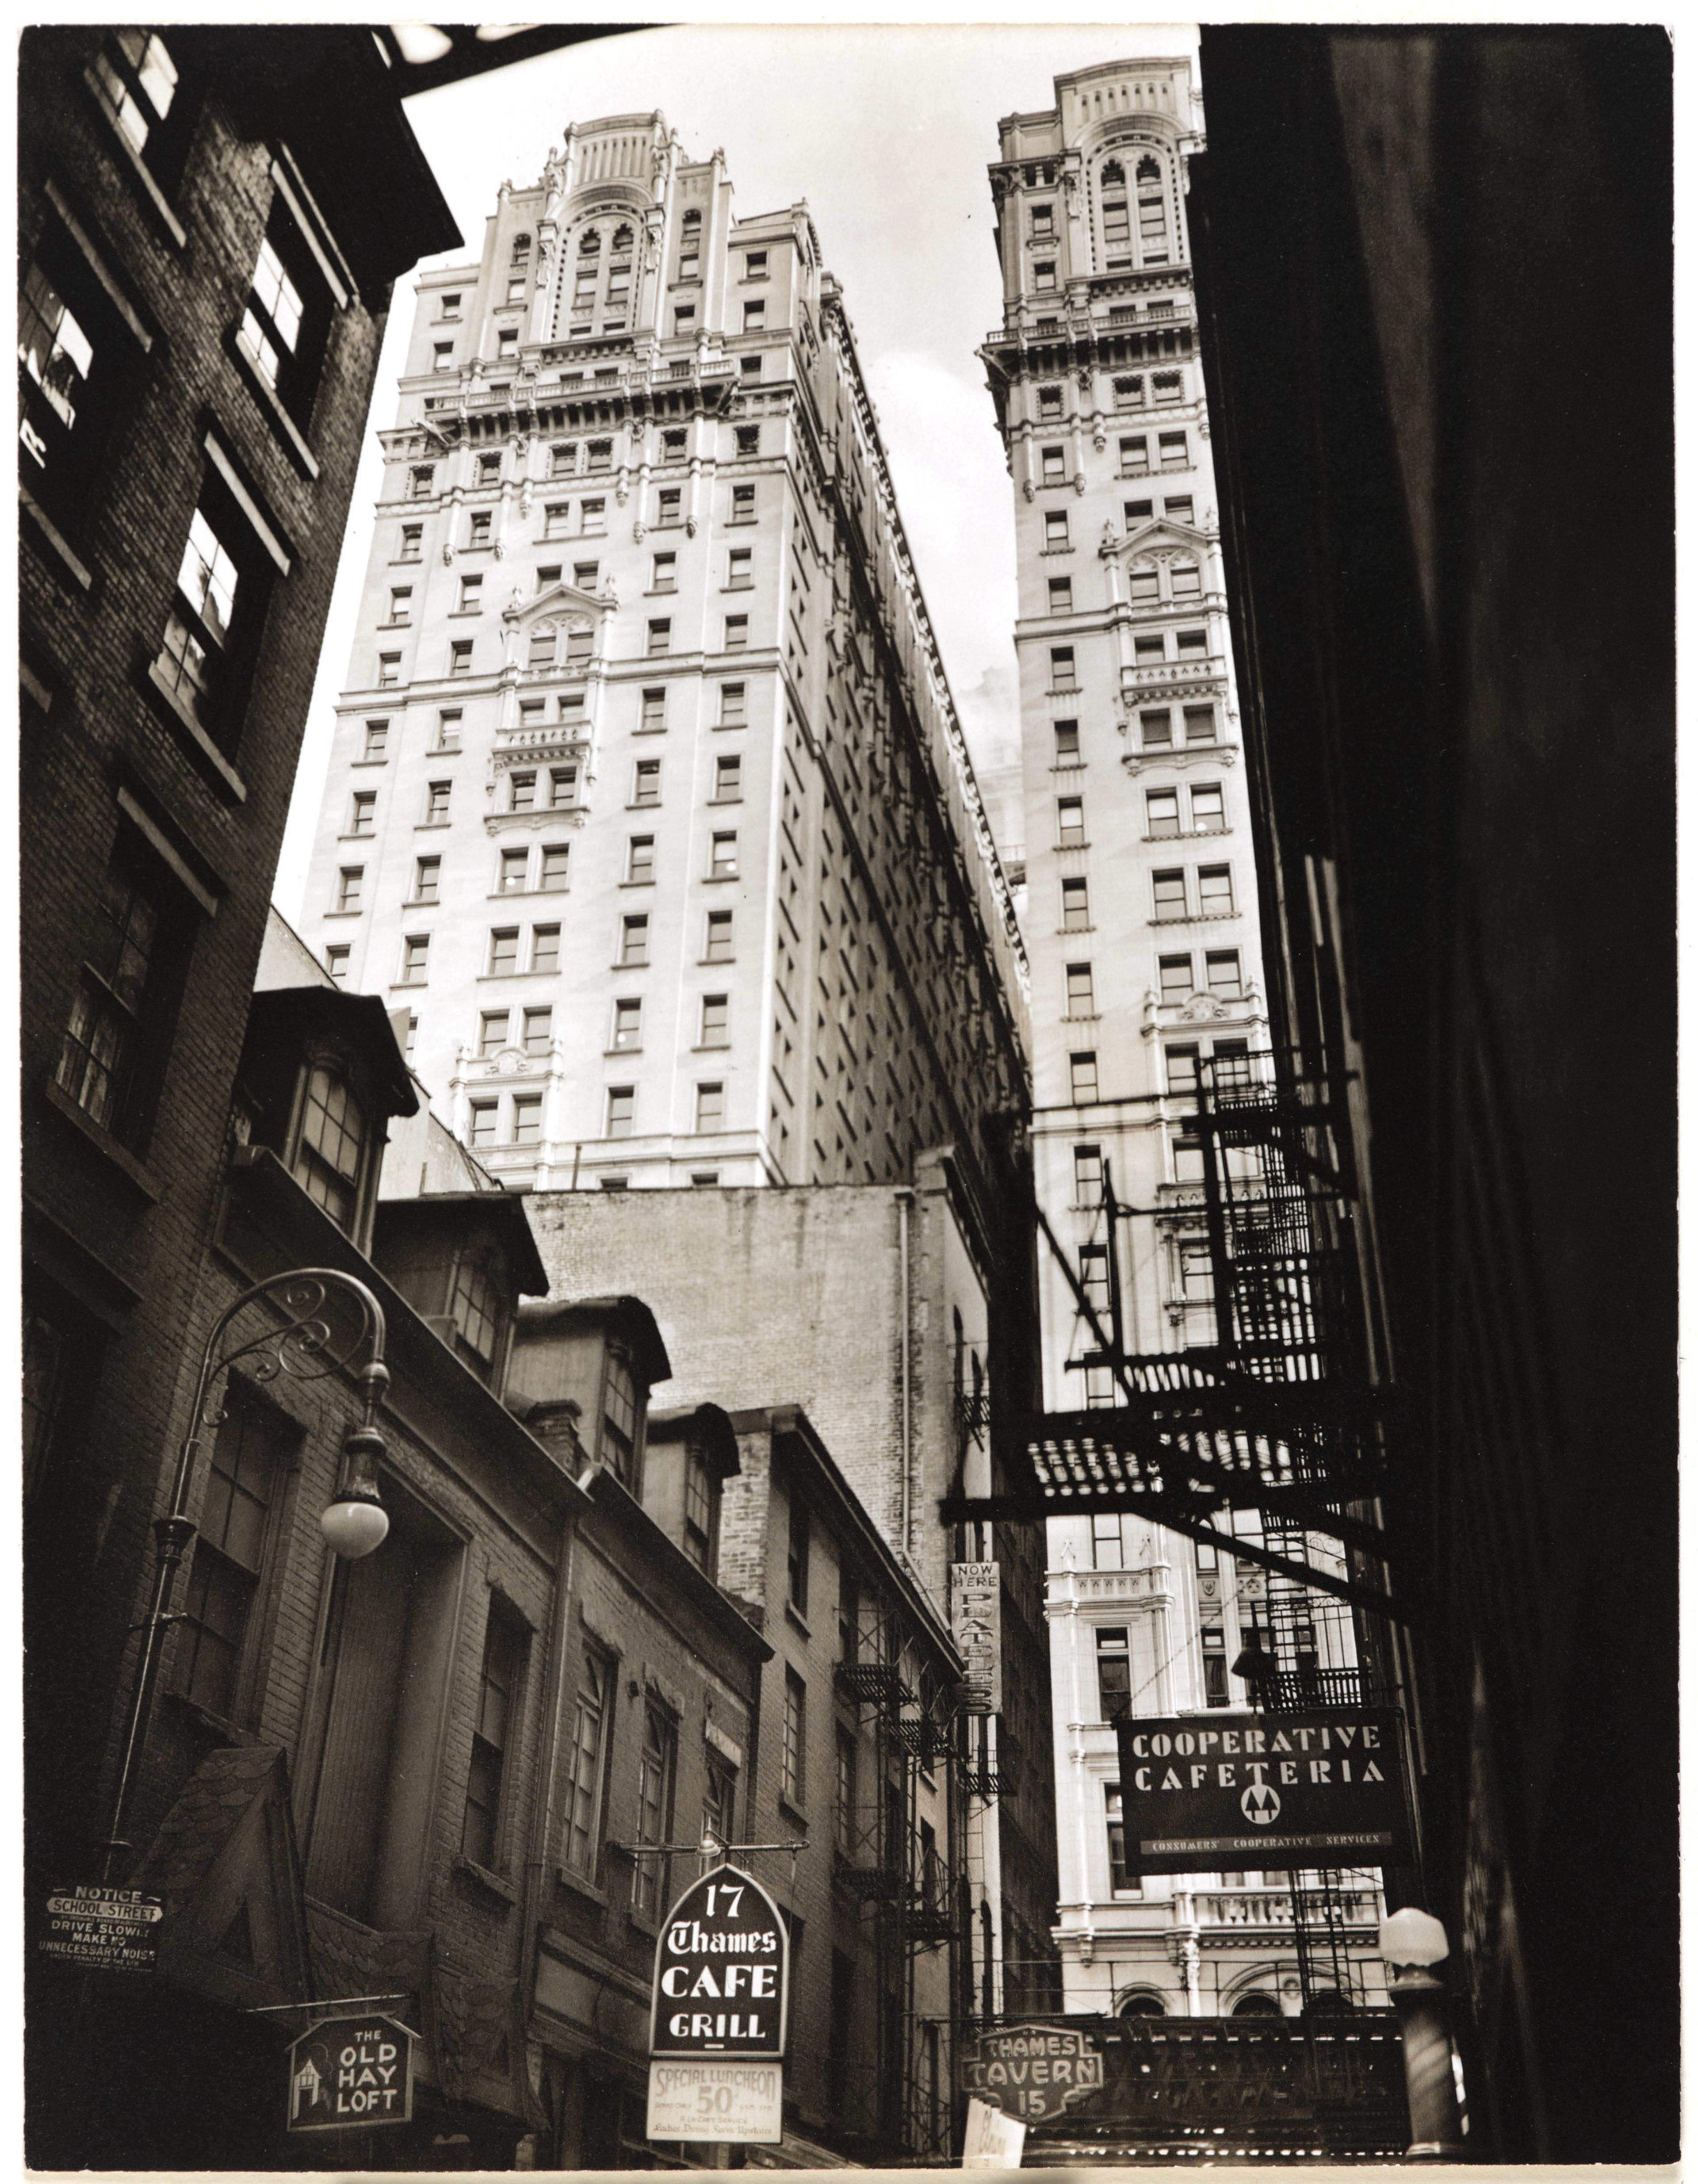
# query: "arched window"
x,y
1117,215
1257,2004
1152,215
328,1155
522,248
621,238
589,242
1143,2005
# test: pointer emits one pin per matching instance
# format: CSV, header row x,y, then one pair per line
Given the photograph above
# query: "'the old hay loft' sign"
x,y
1201,1792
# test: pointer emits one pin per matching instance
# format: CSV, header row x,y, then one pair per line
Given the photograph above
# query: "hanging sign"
x,y
348,2073
1030,2071
722,2103
103,1928
721,1972
976,1626
1204,1792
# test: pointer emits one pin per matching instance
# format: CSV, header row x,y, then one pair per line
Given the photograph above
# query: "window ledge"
x,y
372,838
485,977
791,1810
492,1884
328,914
49,535
509,895
710,878
579,1884
793,1615
426,826
368,761
271,408
155,196
643,807
201,748
1064,930
715,962
463,614
645,1922
103,1142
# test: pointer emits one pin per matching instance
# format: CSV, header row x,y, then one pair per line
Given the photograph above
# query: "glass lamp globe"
x,y
355,1528
1410,1936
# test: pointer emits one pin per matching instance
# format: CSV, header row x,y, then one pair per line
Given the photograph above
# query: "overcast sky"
x,y
886,132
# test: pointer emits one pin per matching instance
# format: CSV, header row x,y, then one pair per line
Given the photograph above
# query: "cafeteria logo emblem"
x,y
1260,1805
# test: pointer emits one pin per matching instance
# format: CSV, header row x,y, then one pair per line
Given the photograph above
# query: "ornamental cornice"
x,y
535,823
1221,753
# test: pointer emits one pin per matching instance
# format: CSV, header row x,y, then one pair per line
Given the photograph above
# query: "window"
x,y
1114,1675
522,791
136,81
646,786
504,1653
649,1886
327,1157
460,656
1088,1174
742,503
843,1813
336,961
748,367
1169,890
724,864
733,703
749,439
447,739
1137,512
793,1776
563,787
740,569
1050,402
492,1031
797,1555
1199,720
556,515
1155,729
1175,452
349,881
634,940
513,874
684,319
710,1107
1220,970
1134,457
216,611
527,1118
1176,978
436,796
654,716
1044,274
363,818
727,779
1083,1074
556,858
1232,1062
719,948
1076,909
442,356
1070,822
504,951
412,544
1117,225
562,459
1178,507
1208,809
1128,394
506,343
736,632
660,638
585,1765
1196,1274
715,1020
1053,466
1061,677
1161,811
1214,890
228,1556
600,455
665,573
1192,643
754,315
471,594
1168,387
475,1309
1144,588
1182,1070
376,740
1094,1275
639,859
1066,743
1108,1543
545,948
622,1101
531,713
1122,1883
1061,595
628,1026
1081,1000
1056,529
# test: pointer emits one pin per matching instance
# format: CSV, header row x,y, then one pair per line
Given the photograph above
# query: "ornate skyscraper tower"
x,y
1142,929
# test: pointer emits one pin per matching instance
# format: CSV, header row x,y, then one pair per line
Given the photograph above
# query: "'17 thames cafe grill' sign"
x,y
718,2018
1203,1792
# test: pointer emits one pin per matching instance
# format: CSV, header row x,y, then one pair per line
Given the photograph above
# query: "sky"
x,y
886,132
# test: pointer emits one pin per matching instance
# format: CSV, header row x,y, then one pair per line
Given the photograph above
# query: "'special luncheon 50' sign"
x,y
1204,1792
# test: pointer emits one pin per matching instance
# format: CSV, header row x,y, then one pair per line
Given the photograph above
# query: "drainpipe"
x,y
905,1198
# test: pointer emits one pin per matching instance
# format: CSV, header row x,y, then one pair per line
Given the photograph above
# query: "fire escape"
x,y
889,1860
1274,1406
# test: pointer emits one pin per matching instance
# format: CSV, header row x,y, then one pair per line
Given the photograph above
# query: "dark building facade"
x,y
1435,280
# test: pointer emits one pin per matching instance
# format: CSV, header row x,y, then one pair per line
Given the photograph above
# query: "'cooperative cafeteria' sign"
x,y
1204,1792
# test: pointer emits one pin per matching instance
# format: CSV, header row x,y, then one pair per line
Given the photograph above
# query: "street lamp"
x,y
307,1347
1412,1942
